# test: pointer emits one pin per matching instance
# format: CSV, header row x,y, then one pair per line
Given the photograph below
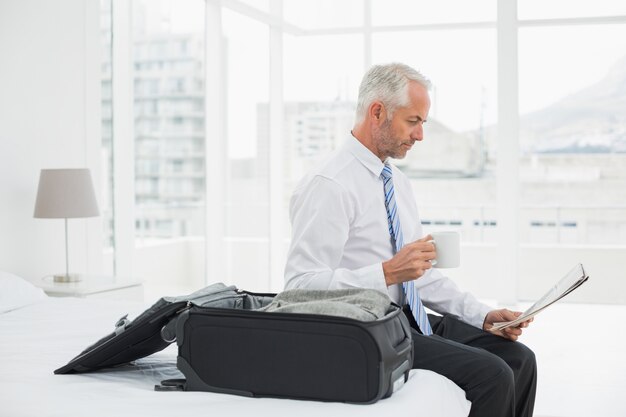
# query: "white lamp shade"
x,y
65,193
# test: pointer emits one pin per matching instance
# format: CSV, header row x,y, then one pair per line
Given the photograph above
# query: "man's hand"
x,y
497,316
410,262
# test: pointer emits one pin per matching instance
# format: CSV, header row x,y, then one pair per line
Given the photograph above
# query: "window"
x,y
573,134
321,14
319,99
571,127
559,9
458,151
420,12
246,47
106,196
168,109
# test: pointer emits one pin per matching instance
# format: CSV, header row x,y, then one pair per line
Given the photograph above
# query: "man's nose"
x,y
418,133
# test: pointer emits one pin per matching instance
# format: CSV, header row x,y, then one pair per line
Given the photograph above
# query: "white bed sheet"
x,y
37,339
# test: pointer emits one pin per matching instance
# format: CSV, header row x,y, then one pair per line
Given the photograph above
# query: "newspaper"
x,y
574,279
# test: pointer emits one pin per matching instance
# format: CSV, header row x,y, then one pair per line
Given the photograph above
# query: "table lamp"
x,y
65,194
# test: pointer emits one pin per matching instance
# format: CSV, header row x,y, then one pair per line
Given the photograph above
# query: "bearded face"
x,y
395,136
389,143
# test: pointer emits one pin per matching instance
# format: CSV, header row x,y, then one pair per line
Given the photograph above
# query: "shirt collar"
x,y
364,155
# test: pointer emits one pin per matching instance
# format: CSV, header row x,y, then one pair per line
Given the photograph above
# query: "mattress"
x,y
37,339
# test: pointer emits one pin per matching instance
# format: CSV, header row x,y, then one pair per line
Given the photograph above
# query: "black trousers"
x,y
498,376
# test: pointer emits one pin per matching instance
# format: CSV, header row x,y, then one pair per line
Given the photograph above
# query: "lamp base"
x,y
67,278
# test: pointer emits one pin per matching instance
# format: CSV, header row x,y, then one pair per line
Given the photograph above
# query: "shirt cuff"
x,y
476,315
374,276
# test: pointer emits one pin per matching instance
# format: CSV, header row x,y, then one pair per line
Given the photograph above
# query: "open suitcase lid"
x,y
151,332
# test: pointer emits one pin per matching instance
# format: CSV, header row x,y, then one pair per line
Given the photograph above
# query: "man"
x,y
355,224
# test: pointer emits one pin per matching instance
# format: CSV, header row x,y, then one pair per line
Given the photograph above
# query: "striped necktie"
x,y
395,230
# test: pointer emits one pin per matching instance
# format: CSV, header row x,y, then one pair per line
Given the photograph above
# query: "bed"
x,y
41,333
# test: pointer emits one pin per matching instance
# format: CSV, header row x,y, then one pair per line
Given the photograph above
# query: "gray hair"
x,y
389,84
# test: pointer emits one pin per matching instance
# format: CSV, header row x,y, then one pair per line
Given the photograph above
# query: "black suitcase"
x,y
148,333
226,346
289,355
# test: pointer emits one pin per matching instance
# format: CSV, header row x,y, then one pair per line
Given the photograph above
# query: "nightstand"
x,y
95,286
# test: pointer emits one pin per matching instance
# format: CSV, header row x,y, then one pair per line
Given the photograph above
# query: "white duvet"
x,y
37,339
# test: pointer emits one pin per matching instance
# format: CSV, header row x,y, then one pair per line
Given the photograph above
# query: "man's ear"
x,y
377,111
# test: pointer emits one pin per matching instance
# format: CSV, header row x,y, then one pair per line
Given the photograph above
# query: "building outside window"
x,y
571,128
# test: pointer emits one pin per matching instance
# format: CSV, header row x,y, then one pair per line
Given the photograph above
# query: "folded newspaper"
x,y
574,279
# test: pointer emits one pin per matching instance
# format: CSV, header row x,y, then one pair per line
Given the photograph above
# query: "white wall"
x,y
49,118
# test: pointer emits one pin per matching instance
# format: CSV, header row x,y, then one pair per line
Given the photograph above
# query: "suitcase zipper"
x,y
289,316
286,316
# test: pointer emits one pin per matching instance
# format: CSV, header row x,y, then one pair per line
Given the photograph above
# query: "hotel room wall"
x,y
49,118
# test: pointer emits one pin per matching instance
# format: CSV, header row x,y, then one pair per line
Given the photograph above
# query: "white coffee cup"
x,y
448,246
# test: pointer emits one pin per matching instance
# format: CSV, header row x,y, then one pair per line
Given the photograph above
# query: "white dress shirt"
x,y
340,234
